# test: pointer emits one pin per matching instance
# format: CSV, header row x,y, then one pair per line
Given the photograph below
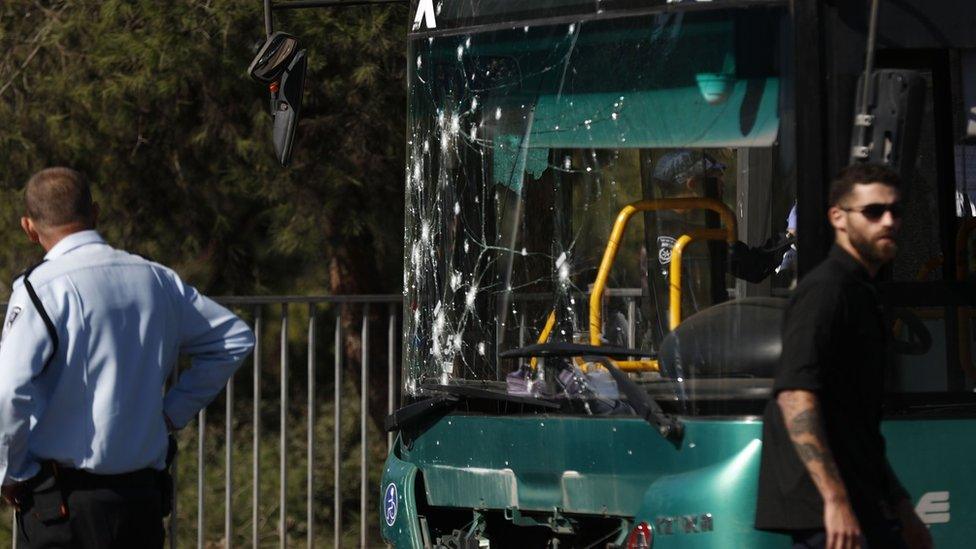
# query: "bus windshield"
x,y
525,143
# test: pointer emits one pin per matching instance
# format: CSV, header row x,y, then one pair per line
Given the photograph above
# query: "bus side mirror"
x,y
281,64
288,107
273,58
888,133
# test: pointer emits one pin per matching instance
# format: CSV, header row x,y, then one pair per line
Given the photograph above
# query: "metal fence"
x,y
323,313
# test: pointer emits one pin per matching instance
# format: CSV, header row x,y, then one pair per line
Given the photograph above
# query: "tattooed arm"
x,y
804,423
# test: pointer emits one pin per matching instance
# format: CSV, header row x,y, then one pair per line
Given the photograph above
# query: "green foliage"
x,y
151,100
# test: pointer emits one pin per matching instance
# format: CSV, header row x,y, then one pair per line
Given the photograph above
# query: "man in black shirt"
x,y
824,477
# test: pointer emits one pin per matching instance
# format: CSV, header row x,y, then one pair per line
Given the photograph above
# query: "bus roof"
x,y
434,17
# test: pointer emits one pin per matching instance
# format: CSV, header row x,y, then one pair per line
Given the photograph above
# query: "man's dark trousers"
x,y
102,512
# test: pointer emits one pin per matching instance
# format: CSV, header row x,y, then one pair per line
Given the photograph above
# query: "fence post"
x,y
337,434
228,463
283,443
310,456
201,435
256,461
364,410
173,521
391,388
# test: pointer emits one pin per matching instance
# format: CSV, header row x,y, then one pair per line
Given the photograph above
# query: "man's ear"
x,y
837,218
28,226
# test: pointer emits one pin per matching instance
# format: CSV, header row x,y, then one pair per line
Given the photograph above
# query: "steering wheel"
x,y
917,339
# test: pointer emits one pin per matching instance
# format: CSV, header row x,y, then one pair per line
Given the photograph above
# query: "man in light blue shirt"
x,y
90,337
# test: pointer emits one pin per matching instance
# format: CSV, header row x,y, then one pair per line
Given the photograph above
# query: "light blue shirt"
x,y
122,323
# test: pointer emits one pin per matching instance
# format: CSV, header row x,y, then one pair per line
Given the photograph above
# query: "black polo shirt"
x,y
835,345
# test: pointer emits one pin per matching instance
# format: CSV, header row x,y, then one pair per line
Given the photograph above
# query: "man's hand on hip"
x,y
914,531
843,529
13,493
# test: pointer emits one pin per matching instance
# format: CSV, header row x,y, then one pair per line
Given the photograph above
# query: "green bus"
x,y
580,366
551,151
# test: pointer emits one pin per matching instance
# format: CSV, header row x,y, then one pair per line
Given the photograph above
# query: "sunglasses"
x,y
874,212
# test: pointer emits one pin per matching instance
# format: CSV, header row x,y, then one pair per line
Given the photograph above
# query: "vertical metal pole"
x,y
522,329
201,435
814,164
391,387
310,458
364,409
268,21
173,522
869,62
631,322
283,441
228,463
256,404
337,434
13,528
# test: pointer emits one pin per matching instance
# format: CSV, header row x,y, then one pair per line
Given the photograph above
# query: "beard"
x,y
879,250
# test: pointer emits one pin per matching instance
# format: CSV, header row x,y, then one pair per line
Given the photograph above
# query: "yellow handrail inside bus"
x,y
674,281
616,236
544,335
647,365
624,365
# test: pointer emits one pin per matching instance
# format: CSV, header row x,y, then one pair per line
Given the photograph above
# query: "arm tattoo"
x,y
805,427
805,422
809,451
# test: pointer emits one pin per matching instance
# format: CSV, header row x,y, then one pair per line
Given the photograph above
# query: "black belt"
x,y
79,479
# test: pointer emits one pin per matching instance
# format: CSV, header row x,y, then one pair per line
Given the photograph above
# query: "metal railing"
x,y
317,306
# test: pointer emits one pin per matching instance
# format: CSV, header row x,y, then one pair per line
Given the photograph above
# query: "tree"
x,y
151,101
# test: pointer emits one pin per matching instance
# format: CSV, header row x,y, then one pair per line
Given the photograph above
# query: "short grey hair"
x,y
59,196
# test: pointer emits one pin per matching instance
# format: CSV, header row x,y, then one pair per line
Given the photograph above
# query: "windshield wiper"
x,y
644,406
478,393
436,406
565,350
420,411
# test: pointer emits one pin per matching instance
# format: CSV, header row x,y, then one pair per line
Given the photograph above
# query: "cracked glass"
x,y
524,144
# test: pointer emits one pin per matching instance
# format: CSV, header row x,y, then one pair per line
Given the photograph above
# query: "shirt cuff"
x,y
27,472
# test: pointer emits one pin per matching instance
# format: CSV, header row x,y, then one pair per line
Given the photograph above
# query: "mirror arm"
x,y
268,19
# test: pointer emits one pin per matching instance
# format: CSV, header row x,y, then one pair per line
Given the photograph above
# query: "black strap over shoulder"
x,y
52,332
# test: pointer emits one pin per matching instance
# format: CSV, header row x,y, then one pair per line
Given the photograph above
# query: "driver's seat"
x,y
738,338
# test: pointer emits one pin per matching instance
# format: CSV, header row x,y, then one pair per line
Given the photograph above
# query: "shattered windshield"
x,y
524,145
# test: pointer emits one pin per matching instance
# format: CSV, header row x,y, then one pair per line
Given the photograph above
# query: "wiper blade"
x,y
420,411
645,406
562,349
469,392
438,405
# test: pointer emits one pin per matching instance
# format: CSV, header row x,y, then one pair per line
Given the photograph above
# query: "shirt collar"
x,y
849,264
73,241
